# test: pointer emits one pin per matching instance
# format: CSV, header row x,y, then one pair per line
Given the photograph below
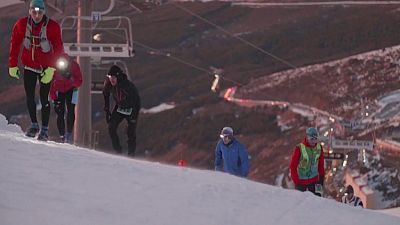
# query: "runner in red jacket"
x,y
307,164
64,92
41,42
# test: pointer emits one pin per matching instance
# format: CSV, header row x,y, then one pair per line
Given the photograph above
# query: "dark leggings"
x,y
309,187
115,120
59,107
30,80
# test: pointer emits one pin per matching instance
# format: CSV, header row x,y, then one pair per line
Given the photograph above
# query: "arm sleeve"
x,y
15,44
106,94
218,158
56,42
294,162
136,102
321,167
77,75
244,157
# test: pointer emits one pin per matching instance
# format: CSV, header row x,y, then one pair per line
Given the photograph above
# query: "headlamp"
x,y
37,10
62,63
224,136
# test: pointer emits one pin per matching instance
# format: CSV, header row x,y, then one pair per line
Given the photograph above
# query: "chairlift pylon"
x,y
115,26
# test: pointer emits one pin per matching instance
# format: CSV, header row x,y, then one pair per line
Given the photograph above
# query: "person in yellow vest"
x,y
307,164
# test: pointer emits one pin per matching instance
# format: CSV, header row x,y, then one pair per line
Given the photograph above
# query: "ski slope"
x,y
50,183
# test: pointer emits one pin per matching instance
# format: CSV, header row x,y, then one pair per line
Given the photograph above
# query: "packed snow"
x,y
52,183
160,108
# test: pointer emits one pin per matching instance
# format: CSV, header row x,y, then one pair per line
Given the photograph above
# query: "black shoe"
x,y
32,132
43,136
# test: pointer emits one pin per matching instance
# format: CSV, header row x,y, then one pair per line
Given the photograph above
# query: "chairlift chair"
x,y
114,26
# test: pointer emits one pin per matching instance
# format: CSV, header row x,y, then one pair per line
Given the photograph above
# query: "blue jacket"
x,y
234,156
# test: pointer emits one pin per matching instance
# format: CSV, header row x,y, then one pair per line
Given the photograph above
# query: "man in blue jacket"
x,y
231,154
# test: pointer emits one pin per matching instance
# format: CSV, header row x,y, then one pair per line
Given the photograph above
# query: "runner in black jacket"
x,y
127,106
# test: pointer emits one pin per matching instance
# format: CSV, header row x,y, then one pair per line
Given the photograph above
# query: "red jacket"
x,y
62,84
295,162
41,60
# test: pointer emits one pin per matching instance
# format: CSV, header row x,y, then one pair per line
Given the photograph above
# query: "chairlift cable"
x,y
236,37
185,62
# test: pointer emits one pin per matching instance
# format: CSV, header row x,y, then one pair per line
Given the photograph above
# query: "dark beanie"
x,y
349,189
115,71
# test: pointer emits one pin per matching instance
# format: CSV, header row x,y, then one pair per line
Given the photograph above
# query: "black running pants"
x,y
30,80
65,99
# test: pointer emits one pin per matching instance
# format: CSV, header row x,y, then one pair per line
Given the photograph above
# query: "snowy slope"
x,y
51,183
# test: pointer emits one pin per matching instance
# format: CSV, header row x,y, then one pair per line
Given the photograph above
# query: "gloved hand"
x,y
47,75
14,72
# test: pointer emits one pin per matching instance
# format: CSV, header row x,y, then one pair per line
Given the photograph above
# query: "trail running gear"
x,y
14,72
33,130
30,80
44,134
294,164
47,75
308,164
35,57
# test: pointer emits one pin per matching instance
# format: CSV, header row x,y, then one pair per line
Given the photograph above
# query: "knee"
x,y
45,105
58,108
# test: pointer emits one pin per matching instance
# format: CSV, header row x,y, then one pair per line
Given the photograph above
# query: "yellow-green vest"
x,y
308,164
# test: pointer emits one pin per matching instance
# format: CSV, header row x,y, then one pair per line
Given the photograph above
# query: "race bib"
x,y
127,111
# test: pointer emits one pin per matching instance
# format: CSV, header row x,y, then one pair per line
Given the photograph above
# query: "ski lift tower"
x,y
91,36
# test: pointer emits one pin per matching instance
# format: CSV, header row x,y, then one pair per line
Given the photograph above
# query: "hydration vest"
x,y
29,40
308,164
